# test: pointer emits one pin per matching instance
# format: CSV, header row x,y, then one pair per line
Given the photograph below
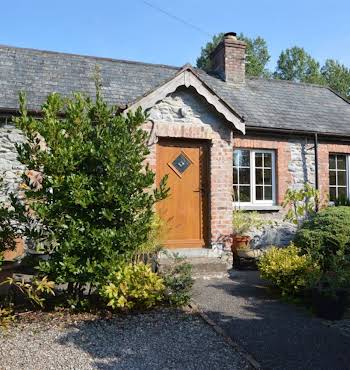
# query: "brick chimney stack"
x,y
228,59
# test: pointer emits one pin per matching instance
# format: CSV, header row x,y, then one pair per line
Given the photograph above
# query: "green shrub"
x,y
87,186
35,291
287,269
156,237
6,317
133,286
244,221
326,235
301,204
178,282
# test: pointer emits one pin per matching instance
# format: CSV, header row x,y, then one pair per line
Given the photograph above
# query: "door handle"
x,y
200,190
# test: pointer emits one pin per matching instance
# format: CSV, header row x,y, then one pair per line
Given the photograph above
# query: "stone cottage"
x,y
224,139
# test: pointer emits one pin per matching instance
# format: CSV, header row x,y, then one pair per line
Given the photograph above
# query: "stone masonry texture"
x,y
10,167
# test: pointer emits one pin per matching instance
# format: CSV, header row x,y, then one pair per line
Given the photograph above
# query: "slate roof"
x,y
264,103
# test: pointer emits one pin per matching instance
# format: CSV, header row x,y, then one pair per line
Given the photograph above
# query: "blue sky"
x,y
132,30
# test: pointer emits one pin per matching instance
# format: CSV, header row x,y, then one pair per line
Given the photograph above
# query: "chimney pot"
x,y
228,59
230,35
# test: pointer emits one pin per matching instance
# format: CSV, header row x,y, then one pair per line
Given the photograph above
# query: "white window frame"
x,y
347,175
253,201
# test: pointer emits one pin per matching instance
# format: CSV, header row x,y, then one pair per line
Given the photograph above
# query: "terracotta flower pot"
x,y
10,255
239,242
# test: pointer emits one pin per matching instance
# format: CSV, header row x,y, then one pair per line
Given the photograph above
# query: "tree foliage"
x,y
204,61
87,187
257,56
337,77
295,64
256,60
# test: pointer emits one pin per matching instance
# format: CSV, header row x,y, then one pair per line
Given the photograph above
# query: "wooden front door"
x,y
185,211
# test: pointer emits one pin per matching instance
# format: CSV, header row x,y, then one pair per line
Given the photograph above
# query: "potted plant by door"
x,y
244,222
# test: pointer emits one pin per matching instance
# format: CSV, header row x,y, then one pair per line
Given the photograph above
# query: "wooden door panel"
x,y
185,210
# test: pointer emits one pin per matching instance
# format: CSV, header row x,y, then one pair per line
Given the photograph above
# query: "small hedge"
x,y
287,269
326,234
134,285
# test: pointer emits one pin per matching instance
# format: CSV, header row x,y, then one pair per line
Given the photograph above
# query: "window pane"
x,y
259,176
244,193
342,178
332,194
267,177
244,158
258,159
342,192
235,194
259,193
332,178
235,175
332,161
236,154
267,160
243,172
244,176
268,192
341,162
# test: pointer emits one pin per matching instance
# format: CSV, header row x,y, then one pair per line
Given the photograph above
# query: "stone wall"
x,y
276,231
302,162
10,167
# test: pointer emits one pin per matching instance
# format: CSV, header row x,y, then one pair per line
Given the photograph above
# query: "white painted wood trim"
x,y
188,78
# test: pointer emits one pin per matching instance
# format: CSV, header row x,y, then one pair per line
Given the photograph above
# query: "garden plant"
x,y
87,204
317,267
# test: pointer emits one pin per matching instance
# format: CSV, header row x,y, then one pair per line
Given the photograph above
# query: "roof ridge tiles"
x,y
89,56
295,83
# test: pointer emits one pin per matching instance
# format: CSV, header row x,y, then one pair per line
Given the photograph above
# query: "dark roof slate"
x,y
264,103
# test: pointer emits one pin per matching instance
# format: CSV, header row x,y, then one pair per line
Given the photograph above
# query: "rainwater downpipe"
x,y
316,165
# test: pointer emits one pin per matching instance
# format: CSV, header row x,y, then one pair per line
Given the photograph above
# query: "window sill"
x,y
258,207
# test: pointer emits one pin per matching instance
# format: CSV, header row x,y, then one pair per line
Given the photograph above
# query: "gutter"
x,y
268,130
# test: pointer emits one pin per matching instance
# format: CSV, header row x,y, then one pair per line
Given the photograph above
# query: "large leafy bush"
x,y
133,286
287,269
326,236
87,188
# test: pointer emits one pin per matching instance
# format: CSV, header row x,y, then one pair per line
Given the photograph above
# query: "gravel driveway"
x,y
165,339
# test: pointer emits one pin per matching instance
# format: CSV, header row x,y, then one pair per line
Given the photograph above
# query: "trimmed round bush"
x,y
326,234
